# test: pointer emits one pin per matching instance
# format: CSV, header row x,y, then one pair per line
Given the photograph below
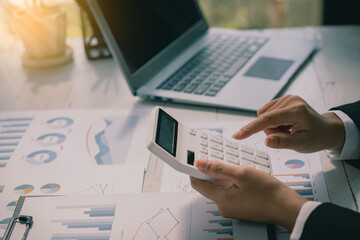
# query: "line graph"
x,y
161,224
97,188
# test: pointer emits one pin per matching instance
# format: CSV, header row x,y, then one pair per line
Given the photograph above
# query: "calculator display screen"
x,y
166,134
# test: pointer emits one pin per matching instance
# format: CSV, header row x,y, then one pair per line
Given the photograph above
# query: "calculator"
x,y
179,146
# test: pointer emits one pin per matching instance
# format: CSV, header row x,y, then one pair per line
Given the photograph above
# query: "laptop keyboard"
x,y
213,67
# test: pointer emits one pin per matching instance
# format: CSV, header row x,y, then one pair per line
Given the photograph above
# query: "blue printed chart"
x,y
12,131
81,236
294,164
50,188
300,183
51,139
11,206
24,189
97,219
158,226
208,222
41,157
108,140
59,122
217,225
4,223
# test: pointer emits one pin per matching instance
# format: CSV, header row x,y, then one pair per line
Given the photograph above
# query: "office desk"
x,y
330,78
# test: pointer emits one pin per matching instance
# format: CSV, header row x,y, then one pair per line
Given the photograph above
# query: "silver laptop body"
x,y
150,59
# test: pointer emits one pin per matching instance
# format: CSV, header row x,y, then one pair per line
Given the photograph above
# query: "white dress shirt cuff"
x,y
351,148
304,213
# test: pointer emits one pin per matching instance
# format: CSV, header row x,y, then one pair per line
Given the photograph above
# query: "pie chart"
x,y
41,157
51,139
60,122
11,206
4,223
294,164
24,189
50,188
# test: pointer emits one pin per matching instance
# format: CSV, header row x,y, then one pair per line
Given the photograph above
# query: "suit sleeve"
x,y
331,222
353,111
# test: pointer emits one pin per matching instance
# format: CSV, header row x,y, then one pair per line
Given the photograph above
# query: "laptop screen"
x,y
142,28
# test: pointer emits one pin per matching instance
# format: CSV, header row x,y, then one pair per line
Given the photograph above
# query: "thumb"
x,y
217,170
285,140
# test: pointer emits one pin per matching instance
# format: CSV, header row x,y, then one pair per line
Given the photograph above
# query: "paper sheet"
x,y
127,216
70,152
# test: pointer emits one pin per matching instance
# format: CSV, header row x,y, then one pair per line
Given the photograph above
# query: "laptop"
x,y
166,51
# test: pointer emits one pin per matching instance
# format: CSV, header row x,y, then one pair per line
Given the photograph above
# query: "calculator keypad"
x,y
222,150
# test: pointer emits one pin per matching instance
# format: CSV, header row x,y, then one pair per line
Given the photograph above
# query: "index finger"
x,y
271,119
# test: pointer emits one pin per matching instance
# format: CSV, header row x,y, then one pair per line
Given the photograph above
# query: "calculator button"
x,y
261,154
203,143
246,149
192,132
217,139
247,163
216,147
261,161
262,168
232,159
202,156
204,136
216,159
232,152
231,144
204,150
247,156
217,154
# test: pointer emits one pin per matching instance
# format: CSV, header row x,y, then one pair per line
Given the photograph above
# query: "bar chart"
x,y
100,225
81,237
300,183
218,226
84,221
209,222
12,131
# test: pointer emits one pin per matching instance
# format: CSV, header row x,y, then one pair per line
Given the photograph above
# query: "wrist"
x,y
335,131
288,208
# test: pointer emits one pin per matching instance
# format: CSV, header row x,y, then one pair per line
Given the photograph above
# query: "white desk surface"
x,y
331,78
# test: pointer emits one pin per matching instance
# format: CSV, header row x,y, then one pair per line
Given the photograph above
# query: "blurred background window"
x,y
237,14
257,14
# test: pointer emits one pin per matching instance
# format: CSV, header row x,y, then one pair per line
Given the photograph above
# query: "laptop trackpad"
x,y
269,68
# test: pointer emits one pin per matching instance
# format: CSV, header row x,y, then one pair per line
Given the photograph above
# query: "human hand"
x,y
249,194
289,122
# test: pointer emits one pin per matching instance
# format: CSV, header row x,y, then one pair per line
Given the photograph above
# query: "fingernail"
x,y
238,134
201,165
271,142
